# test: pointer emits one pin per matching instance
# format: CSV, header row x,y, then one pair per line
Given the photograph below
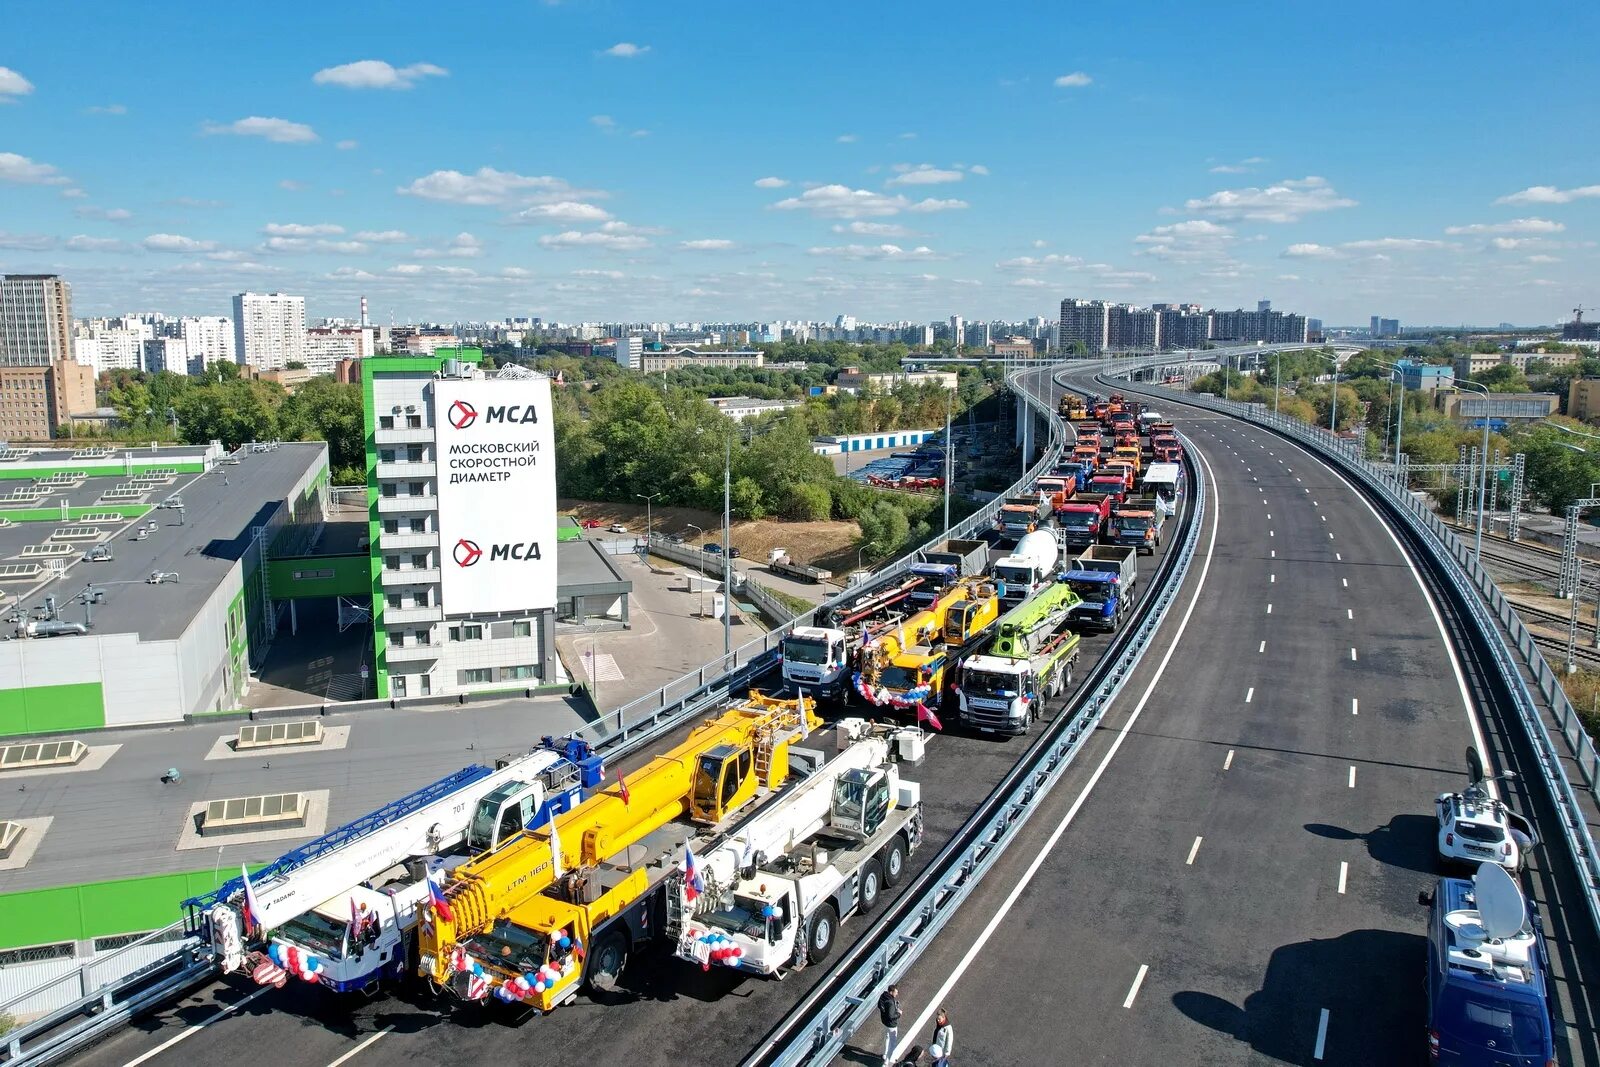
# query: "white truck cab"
x,y
816,659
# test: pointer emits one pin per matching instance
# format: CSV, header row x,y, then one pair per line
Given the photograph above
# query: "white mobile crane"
x,y
775,890
343,910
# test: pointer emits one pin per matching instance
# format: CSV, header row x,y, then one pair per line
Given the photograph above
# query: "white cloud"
x,y
74,194
843,202
978,168
115,214
106,109
346,145
406,268
1506,244
352,273
590,272
930,205
377,74
84,243
618,226
383,237
1076,80
1394,244
771,183
13,84
280,130
1288,277
1193,241
707,244
908,136
565,212
515,272
300,229
925,174
640,133
1229,168
1288,201
875,229
1528,225
26,242
461,246
172,242
1549,194
610,241
877,252
1041,244
488,186
20,170
1031,283
626,50
1309,250
605,122
847,138
291,185
1543,259
1032,263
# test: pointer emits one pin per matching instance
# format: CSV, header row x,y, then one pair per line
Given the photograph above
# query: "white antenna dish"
x,y
1500,903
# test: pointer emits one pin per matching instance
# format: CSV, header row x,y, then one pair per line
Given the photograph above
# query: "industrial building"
x,y
1497,407
133,580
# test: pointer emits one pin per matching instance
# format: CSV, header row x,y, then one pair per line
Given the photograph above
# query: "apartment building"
x,y
269,330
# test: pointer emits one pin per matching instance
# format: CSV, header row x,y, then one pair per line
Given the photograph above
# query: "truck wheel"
x,y
894,861
869,886
820,933
606,962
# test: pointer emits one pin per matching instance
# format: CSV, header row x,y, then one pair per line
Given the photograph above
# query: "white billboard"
x,y
495,446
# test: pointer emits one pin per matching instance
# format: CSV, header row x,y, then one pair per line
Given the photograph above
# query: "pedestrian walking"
x,y
944,1039
889,1013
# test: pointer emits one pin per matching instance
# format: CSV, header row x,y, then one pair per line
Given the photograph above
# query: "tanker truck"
x,y
1025,570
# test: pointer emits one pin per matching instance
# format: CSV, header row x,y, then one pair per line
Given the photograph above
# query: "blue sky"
x,y
599,159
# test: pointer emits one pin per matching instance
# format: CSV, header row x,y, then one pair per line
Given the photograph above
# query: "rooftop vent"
x,y
269,734
10,838
238,815
41,754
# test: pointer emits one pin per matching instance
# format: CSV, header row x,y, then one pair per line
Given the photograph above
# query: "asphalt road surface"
x,y
666,1011
1229,874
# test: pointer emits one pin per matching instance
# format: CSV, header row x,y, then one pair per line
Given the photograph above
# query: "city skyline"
x,y
584,161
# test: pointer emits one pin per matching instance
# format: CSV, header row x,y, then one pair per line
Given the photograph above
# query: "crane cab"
x,y
862,799
724,781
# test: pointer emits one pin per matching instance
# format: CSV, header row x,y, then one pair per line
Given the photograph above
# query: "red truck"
x,y
1112,485
1087,453
1083,518
1165,449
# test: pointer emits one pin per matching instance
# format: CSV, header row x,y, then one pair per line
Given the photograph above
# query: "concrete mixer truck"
x,y
1027,569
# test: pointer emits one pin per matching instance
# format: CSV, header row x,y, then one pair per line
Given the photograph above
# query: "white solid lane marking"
x,y
1263,647
1355,706
1249,694
196,1028
1228,762
1133,991
371,1040
1322,1036
1049,845
1344,875
1352,777
1193,850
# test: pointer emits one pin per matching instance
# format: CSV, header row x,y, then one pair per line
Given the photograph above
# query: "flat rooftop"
x,y
582,564
81,455
200,543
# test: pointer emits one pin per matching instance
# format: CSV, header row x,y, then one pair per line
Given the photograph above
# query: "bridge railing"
x,y
1488,606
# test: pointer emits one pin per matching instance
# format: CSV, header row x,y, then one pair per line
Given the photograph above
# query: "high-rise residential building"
x,y
1272,327
1182,326
1263,306
1132,329
166,354
1084,322
35,320
1388,327
210,340
978,335
326,346
269,330
958,330
629,352
111,344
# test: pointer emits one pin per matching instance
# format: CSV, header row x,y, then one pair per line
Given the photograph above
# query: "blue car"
x,y
1488,998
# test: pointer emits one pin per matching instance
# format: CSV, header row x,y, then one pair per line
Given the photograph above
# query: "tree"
x,y
294,364
806,502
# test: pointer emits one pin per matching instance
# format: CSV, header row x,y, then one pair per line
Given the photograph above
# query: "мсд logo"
x,y
462,414
467,553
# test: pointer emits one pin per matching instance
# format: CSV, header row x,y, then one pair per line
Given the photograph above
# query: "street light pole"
x,y
1483,470
1277,374
949,404
649,521
863,548
727,563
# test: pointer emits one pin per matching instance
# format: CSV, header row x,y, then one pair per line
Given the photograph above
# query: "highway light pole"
x,y
1277,375
949,405
1483,469
727,563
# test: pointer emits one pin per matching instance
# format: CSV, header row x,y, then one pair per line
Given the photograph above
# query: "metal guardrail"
x,y
102,999
816,1030
1478,591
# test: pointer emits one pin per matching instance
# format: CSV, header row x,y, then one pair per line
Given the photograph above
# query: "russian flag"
x,y
252,910
436,894
692,884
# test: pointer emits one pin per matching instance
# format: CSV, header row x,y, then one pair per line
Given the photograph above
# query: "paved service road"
x,y
1238,884
666,1012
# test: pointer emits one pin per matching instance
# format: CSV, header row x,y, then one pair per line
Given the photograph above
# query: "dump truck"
x,y
567,904
780,562
1136,523
1088,454
772,894
1112,482
1021,515
1081,521
1058,489
935,579
1104,577
1004,688
1032,565
910,665
967,555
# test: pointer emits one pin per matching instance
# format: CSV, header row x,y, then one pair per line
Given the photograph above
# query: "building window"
x,y
385,422
385,455
523,628
302,576
413,422
424,637
477,675
416,454
417,488
427,684
467,631
391,563
419,561
524,670
389,489
419,524
391,526
396,601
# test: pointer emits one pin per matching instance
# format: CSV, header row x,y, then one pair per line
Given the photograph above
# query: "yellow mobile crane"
x,y
907,666
534,921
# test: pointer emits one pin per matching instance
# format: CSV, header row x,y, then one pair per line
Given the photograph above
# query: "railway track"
x,y
1556,647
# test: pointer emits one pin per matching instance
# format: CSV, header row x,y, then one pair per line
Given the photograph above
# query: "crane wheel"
x,y
821,931
606,961
894,861
869,887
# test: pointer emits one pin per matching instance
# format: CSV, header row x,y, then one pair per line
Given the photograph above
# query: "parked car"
x,y
619,527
